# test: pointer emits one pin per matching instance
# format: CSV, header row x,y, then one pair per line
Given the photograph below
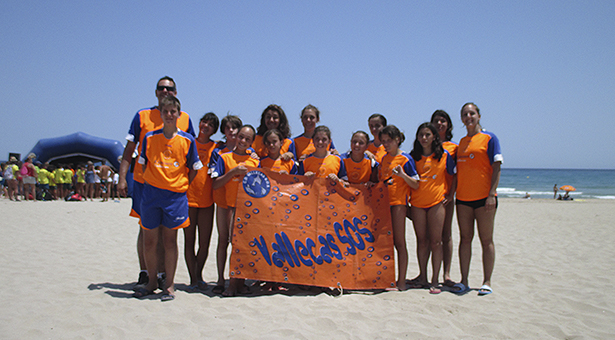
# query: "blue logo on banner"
x,y
256,184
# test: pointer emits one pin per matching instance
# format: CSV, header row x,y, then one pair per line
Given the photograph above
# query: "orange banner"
x,y
312,232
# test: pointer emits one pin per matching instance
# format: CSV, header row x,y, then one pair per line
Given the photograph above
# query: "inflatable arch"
x,y
78,148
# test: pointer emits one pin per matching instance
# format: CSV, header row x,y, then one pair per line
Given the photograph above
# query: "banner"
x,y
312,232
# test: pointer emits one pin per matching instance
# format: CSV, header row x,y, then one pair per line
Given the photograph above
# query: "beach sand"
x,y
68,269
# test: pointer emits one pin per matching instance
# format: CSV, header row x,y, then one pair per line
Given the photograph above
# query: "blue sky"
x,y
542,72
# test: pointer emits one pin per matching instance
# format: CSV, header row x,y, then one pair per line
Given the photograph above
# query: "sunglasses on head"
x,y
168,88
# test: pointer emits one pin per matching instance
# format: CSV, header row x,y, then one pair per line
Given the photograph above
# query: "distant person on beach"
x,y
115,193
144,121
58,175
29,178
105,182
10,181
90,179
555,190
97,186
164,204
80,182
52,181
478,157
4,183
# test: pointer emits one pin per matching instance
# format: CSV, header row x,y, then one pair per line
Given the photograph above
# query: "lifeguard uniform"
x,y
305,146
200,193
67,177
451,147
58,175
359,172
279,165
322,167
377,151
432,182
167,162
43,178
52,180
475,157
81,176
399,190
259,146
144,121
227,162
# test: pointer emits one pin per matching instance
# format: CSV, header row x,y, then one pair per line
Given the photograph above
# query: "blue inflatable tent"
x,y
80,148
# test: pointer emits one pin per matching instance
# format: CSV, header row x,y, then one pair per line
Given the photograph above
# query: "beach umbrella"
x,y
567,188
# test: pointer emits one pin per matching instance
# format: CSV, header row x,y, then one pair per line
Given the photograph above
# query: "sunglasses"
x,y
168,88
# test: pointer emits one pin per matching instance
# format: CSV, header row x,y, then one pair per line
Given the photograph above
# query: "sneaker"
x,y
162,280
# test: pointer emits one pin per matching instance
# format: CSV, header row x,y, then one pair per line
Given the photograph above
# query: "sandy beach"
x,y
68,269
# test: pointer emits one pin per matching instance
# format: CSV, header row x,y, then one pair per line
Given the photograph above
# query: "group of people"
x,y
181,177
33,180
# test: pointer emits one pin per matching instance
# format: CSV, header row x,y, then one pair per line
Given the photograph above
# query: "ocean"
x,y
594,184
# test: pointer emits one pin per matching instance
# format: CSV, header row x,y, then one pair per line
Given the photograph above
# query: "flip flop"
x,y
462,289
167,297
141,293
484,290
434,290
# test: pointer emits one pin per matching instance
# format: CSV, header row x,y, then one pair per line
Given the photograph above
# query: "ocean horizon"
x,y
538,183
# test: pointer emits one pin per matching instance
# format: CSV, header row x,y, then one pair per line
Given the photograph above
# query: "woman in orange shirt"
x,y
360,169
273,117
229,126
398,170
229,170
322,163
433,163
478,173
442,121
274,161
375,149
201,205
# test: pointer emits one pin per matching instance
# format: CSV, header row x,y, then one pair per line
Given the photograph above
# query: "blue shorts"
x,y
163,207
44,186
137,193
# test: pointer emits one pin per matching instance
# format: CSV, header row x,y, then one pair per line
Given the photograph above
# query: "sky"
x,y
541,72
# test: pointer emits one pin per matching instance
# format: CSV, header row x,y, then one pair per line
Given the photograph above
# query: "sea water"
x,y
598,184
